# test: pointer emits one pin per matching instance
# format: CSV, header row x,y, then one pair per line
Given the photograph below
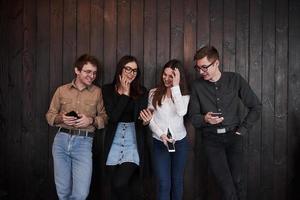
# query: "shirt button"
x,y
218,99
219,110
216,88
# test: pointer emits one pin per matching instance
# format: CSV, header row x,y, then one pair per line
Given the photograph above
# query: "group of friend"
x,y
145,130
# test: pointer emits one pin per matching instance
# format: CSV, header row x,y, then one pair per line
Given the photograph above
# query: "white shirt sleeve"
x,y
153,125
181,102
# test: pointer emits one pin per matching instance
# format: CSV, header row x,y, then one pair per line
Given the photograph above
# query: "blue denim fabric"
x,y
169,169
72,156
124,146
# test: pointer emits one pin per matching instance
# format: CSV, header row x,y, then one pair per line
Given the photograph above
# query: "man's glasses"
x,y
129,70
204,68
90,72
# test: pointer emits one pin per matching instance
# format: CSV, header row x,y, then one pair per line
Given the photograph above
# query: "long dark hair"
x,y
135,86
161,90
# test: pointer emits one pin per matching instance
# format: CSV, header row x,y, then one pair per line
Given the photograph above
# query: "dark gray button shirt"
x,y
224,96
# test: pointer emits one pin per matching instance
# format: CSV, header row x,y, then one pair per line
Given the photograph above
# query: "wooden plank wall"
x,y
40,40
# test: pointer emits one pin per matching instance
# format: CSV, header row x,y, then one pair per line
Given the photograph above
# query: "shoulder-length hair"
x,y
161,89
135,86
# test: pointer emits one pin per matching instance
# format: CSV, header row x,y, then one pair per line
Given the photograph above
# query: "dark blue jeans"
x,y
225,158
169,169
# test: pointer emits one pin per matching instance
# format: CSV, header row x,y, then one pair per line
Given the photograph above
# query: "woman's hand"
x,y
125,85
146,115
176,77
165,139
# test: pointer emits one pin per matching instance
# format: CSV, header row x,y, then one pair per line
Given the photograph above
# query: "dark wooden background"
x,y
40,39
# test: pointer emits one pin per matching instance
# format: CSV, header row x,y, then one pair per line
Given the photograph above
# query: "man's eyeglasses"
x,y
129,70
90,72
203,67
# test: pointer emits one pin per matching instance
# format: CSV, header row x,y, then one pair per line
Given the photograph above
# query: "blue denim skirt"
x,y
124,146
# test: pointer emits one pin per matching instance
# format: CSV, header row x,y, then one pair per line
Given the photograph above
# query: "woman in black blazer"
x,y
126,146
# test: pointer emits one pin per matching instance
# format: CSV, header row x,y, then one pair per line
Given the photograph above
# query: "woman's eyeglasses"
x,y
130,70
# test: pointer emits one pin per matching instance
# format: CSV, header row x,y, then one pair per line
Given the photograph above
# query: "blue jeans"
x,y
72,156
169,169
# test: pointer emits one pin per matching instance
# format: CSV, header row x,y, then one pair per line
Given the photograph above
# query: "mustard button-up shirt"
x,y
87,101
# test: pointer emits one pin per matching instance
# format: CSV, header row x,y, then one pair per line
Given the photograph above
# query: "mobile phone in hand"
x,y
216,114
170,145
72,114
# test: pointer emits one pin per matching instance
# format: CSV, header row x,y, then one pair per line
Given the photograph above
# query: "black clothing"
x,y
223,147
118,109
224,96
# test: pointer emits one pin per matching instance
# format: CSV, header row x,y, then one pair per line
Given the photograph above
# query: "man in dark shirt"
x,y
214,110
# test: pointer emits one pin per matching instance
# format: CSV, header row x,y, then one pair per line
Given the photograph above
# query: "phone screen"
x,y
171,147
216,114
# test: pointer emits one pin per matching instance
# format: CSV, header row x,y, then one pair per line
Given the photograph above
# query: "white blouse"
x,y
169,115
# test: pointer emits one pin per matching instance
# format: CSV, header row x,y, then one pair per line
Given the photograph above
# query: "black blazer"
x,y
114,108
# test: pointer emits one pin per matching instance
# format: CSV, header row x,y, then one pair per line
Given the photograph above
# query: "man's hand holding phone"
x,y
213,118
70,118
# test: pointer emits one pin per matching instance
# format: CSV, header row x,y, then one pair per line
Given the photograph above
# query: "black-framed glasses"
x,y
129,70
203,67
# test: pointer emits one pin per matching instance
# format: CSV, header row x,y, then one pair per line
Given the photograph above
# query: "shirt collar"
x,y
89,88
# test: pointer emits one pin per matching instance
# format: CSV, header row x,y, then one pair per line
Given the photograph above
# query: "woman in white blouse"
x,y
167,105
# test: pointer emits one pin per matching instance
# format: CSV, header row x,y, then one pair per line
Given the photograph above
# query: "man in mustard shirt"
x,y
77,110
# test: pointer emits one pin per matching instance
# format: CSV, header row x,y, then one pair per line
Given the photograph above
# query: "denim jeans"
x,y
72,156
225,158
169,169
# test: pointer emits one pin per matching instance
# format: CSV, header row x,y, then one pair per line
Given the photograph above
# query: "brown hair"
x,y
161,90
210,51
84,59
135,86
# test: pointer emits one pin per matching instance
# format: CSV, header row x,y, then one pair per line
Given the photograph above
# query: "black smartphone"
x,y
170,146
73,114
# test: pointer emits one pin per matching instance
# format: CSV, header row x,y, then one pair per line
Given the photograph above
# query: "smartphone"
x,y
73,114
216,114
170,145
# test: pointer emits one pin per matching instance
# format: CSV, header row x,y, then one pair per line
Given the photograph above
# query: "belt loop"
x,y
59,129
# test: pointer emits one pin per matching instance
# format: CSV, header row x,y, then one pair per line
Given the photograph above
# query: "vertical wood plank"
x,y
110,39
14,137
150,38
242,58
97,35
69,39
293,174
123,23
203,23
163,36
255,63
137,30
189,48
27,94
229,35
41,98
55,64
281,81
4,112
268,95
176,46
190,13
83,27
216,26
